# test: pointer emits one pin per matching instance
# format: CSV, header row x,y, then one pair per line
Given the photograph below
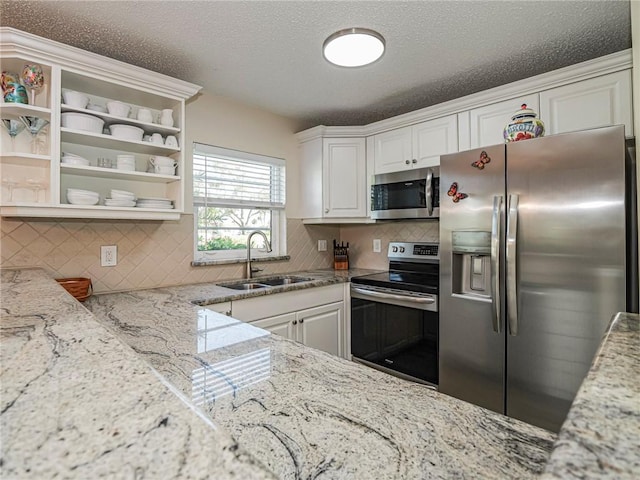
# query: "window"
x,y
235,193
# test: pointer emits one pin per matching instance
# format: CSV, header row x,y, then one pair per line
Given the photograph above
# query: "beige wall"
x,y
152,254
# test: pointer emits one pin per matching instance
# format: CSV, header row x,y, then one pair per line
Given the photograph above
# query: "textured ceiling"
x,y
268,53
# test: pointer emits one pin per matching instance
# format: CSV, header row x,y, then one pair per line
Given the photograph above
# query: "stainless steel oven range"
x,y
394,315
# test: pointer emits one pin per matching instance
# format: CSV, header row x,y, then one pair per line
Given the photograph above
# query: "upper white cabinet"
x,y
486,124
415,146
333,179
35,179
592,103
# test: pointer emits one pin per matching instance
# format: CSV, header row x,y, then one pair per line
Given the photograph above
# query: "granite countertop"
x,y
196,394
305,413
79,403
601,436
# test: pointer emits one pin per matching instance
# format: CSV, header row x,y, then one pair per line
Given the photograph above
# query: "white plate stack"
x,y
126,162
76,196
158,203
121,198
73,159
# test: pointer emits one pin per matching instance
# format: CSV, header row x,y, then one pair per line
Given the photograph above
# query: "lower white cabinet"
x,y
319,327
313,316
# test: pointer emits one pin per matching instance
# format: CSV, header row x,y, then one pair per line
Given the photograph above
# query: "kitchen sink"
x,y
264,283
245,286
275,282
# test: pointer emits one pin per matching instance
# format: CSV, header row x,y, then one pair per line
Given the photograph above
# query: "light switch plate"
x,y
377,247
108,255
322,245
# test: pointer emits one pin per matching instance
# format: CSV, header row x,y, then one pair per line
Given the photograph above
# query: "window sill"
x,y
229,261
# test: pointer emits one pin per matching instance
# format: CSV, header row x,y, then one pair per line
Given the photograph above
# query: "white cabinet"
x,y
319,327
333,179
415,146
486,124
592,103
101,80
313,316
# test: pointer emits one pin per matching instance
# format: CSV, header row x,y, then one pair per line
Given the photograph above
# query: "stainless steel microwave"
x,y
407,194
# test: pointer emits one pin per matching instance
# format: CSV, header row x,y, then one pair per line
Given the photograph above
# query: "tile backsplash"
x,y
361,238
150,254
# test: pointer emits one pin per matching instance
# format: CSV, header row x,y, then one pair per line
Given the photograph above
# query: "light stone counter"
x,y
305,413
601,436
78,403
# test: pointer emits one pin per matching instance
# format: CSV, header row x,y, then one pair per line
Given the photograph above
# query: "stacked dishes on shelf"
x,y
121,198
157,203
126,132
73,159
76,196
126,162
82,121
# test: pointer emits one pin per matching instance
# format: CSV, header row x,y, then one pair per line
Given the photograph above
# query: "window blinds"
x,y
237,179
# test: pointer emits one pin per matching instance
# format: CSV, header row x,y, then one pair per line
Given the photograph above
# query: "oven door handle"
x,y
390,296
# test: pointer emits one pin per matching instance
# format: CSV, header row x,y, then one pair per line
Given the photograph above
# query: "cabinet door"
x,y
434,138
282,325
392,151
322,327
592,103
487,123
344,177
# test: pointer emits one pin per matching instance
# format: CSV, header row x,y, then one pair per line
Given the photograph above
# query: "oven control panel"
x,y
413,251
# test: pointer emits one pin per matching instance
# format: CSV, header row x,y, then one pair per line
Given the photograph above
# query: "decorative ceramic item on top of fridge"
x,y
523,126
33,79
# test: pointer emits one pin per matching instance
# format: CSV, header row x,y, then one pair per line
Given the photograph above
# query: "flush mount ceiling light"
x,y
353,47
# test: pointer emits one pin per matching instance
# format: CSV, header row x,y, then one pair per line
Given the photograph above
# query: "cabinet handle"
x,y
302,320
407,162
295,322
414,161
326,210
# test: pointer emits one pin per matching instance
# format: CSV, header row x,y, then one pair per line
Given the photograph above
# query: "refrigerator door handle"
x,y
495,262
511,250
428,192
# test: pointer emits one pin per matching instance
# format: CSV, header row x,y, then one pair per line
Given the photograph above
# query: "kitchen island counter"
x,y
305,413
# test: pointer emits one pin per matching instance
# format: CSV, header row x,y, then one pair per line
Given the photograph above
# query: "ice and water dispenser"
x,y
471,273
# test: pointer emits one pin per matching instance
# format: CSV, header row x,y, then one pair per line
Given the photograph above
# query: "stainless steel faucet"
x,y
251,271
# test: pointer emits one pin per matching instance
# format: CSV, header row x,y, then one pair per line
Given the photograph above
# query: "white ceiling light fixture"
x,y
353,47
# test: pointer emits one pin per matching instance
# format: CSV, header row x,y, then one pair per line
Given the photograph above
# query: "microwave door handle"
x,y
428,192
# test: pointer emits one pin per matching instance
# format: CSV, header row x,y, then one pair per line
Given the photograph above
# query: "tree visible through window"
x,y
235,193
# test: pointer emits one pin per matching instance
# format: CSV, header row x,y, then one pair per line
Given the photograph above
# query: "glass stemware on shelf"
x,y
33,79
14,127
34,125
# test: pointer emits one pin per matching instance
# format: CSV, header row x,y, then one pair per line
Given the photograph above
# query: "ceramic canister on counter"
x,y
523,126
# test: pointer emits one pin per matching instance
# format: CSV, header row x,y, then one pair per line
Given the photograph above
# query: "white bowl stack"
x,y
126,162
82,121
118,109
156,203
126,132
73,159
75,99
121,198
75,196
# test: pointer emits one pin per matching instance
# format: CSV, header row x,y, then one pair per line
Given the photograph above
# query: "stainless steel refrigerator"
x,y
532,267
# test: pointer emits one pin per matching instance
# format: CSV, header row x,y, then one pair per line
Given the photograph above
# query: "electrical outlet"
x,y
108,255
322,245
377,246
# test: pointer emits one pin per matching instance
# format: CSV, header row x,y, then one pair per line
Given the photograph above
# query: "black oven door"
x,y
397,339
